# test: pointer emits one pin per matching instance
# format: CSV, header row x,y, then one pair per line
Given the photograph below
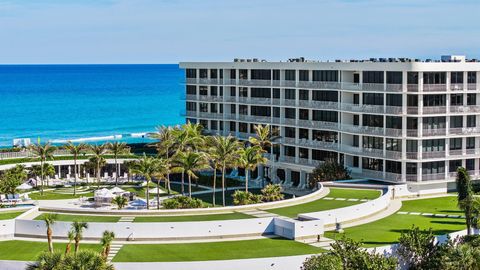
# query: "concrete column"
x,y
303,179
288,176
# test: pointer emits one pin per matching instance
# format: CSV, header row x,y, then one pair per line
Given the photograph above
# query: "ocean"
x,y
91,103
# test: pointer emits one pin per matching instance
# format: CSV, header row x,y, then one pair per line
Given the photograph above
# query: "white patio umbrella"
x,y
24,186
116,190
138,202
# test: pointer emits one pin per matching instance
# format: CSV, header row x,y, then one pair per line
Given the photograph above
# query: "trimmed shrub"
x,y
272,192
182,202
327,172
244,198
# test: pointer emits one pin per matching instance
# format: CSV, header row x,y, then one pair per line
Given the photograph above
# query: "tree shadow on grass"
x,y
449,222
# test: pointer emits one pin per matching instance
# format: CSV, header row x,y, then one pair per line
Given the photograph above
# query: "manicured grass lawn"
x,y
212,251
354,193
387,231
10,214
84,218
322,204
193,218
29,250
50,195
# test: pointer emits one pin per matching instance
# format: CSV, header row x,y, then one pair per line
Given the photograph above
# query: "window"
x,y
289,132
213,125
324,136
393,144
276,74
213,108
243,109
372,164
453,165
412,146
203,107
471,120
233,91
191,90
243,92
213,73
411,168
303,114
303,133
434,100
203,73
233,126
303,95
243,74
393,166
455,143
471,99
276,112
276,93
290,113
470,143
372,99
324,155
325,95
356,141
213,91
433,167
325,75
303,153
471,77
456,121
372,142
394,77
412,100
191,73
303,75
289,93
412,78
434,78
456,99
204,90
373,77
433,145
290,75
191,106
243,127
470,164
372,120
289,151
394,100
221,91
456,77
221,77
260,111
233,108
233,74
355,161
412,123
356,120
261,74
260,92
434,122
328,116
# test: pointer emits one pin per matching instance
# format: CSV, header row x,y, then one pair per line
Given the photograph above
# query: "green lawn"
x,y
192,218
387,231
10,214
51,195
212,251
84,218
322,204
29,250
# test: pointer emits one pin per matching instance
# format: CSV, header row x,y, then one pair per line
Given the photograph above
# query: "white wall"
x,y
7,228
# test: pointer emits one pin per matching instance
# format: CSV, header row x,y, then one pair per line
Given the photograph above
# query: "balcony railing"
x,y
412,132
412,110
458,152
394,87
435,154
393,132
287,159
393,154
464,130
434,87
456,86
289,121
211,115
412,87
191,113
289,102
435,176
191,97
393,109
372,174
373,86
412,155
318,124
465,109
434,109
318,104
472,86
434,132
397,177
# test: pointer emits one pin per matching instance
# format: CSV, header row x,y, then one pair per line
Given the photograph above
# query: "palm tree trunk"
x,y
68,248
148,193
246,179
49,238
223,184
77,244
168,184
107,251
214,183
98,175
41,176
183,183
189,186
116,171
75,172
158,195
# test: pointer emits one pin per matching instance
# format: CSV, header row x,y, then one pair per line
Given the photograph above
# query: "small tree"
x,y
106,241
244,198
465,197
328,171
71,237
272,192
49,220
12,178
77,228
417,248
120,202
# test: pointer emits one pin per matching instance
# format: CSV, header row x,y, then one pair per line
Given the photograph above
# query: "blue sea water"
x,y
66,102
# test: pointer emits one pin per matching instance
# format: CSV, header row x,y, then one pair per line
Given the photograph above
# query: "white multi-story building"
x,y
394,120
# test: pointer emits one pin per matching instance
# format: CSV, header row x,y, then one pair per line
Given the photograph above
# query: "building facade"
x,y
394,120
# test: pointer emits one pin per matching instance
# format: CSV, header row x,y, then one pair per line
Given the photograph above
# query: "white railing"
x,y
393,154
435,154
191,113
288,102
287,159
318,104
393,176
412,155
434,132
288,140
434,109
467,108
373,86
464,130
393,132
456,86
458,152
472,86
289,121
372,174
412,87
412,110
255,82
191,97
435,176
393,109
394,87
434,87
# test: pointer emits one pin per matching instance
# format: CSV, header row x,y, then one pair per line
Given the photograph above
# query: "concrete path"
x,y
430,214
258,213
344,199
114,249
126,219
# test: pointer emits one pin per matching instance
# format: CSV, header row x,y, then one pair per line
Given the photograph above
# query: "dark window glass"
x,y
434,100
191,90
303,134
373,77
324,155
289,151
325,75
453,165
434,77
412,77
191,73
321,95
327,116
471,120
260,111
303,75
260,92
471,99
471,77
372,99
372,164
393,166
276,74
213,73
276,93
456,99
456,77
290,113
303,114
243,74
393,144
303,95
290,94
233,74
233,126
394,100
470,143
289,132
372,120
372,142
290,75
261,74
394,77
203,73
394,122
411,168
433,145
455,144
324,136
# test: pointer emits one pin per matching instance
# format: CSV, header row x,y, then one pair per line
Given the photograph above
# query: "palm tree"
x,y
163,171
188,163
264,138
75,150
166,140
465,196
117,149
147,167
71,237
106,241
225,151
49,219
46,261
48,170
98,159
250,158
77,228
44,152
120,202
129,165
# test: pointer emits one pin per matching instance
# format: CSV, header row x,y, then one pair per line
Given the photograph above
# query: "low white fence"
x,y
351,213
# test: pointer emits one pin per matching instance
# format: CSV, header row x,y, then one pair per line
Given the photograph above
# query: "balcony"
x,y
412,87
372,174
287,159
191,97
395,177
472,151
472,86
211,115
393,132
412,132
362,108
464,131
393,154
318,104
289,121
434,87
394,88
435,154
255,82
362,129
411,178
458,152
190,113
373,86
350,107
209,81
318,124
393,109
412,110
288,140
434,132
289,102
350,86
465,109
412,155
435,176
230,99
456,87
434,109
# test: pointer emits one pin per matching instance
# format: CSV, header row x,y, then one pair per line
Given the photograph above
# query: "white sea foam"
x,y
138,135
88,139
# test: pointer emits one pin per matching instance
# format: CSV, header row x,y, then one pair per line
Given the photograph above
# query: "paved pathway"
x,y
114,249
430,214
258,213
126,219
345,199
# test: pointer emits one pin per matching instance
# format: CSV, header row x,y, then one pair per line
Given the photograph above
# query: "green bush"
x,y
182,202
272,192
244,198
327,172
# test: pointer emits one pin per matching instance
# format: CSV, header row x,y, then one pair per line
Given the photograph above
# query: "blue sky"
x,y
168,31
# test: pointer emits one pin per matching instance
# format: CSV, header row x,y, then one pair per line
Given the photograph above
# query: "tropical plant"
x,y
48,170
417,248
129,164
224,151
249,159
49,219
245,197
75,150
272,192
44,152
166,141
117,148
264,137
97,163
189,163
120,202
77,228
328,171
182,202
106,241
465,197
12,178
47,261
147,167
71,238
85,259
98,152
162,173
